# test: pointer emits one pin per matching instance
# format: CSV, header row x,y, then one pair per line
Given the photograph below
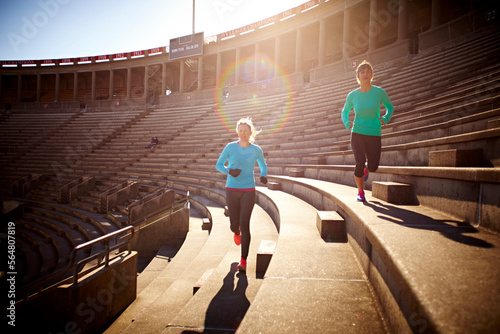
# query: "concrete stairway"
x,y
166,300
224,297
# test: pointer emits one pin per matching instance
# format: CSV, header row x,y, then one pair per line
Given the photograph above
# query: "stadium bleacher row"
x,y
425,266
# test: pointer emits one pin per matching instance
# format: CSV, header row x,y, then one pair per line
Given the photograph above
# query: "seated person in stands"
x,y
366,132
154,141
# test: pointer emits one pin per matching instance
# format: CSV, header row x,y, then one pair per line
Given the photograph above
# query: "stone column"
x,y
237,67
129,83
58,88
403,20
146,81
322,42
19,87
93,88
256,62
218,69
181,77
346,34
38,87
163,79
298,51
373,31
111,83
436,13
277,55
200,73
75,86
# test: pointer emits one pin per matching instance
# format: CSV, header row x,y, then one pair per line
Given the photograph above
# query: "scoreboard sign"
x,y
186,46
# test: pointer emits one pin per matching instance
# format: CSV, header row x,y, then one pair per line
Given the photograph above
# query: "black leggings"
x,y
365,148
240,205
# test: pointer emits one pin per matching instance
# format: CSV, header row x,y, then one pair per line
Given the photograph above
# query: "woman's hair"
x,y
363,66
248,121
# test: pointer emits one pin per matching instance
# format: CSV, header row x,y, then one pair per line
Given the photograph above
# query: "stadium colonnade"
x,y
298,42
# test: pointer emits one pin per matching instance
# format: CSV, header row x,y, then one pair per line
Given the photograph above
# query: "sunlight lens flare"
x,y
278,115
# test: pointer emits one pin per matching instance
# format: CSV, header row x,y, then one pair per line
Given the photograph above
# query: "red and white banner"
x,y
102,58
120,56
154,51
137,54
17,62
248,27
84,60
9,62
309,5
287,14
48,62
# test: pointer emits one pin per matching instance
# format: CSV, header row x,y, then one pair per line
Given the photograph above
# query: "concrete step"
x,y
162,259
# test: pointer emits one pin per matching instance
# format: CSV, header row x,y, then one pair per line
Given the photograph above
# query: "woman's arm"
x,y
388,106
262,163
345,112
222,160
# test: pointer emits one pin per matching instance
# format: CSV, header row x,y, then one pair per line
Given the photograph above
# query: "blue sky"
x,y
53,29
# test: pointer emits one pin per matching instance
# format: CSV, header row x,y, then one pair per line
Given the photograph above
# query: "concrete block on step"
x,y
393,192
331,226
202,280
456,158
318,160
206,224
264,254
296,173
273,185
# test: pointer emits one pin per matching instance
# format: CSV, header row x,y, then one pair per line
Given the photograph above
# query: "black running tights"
x,y
366,148
240,205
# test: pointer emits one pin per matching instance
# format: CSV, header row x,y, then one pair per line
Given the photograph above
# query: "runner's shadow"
x,y
451,229
228,307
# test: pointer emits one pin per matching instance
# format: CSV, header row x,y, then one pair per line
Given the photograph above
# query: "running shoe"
x,y
366,174
242,266
237,239
361,197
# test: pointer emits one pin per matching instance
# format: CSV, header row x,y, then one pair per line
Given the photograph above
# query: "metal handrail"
x,y
159,214
122,237
105,239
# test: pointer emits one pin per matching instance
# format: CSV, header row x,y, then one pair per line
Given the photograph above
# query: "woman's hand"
x,y
234,172
263,179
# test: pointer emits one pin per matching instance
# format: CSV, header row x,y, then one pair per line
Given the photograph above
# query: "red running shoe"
x,y
237,239
242,266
